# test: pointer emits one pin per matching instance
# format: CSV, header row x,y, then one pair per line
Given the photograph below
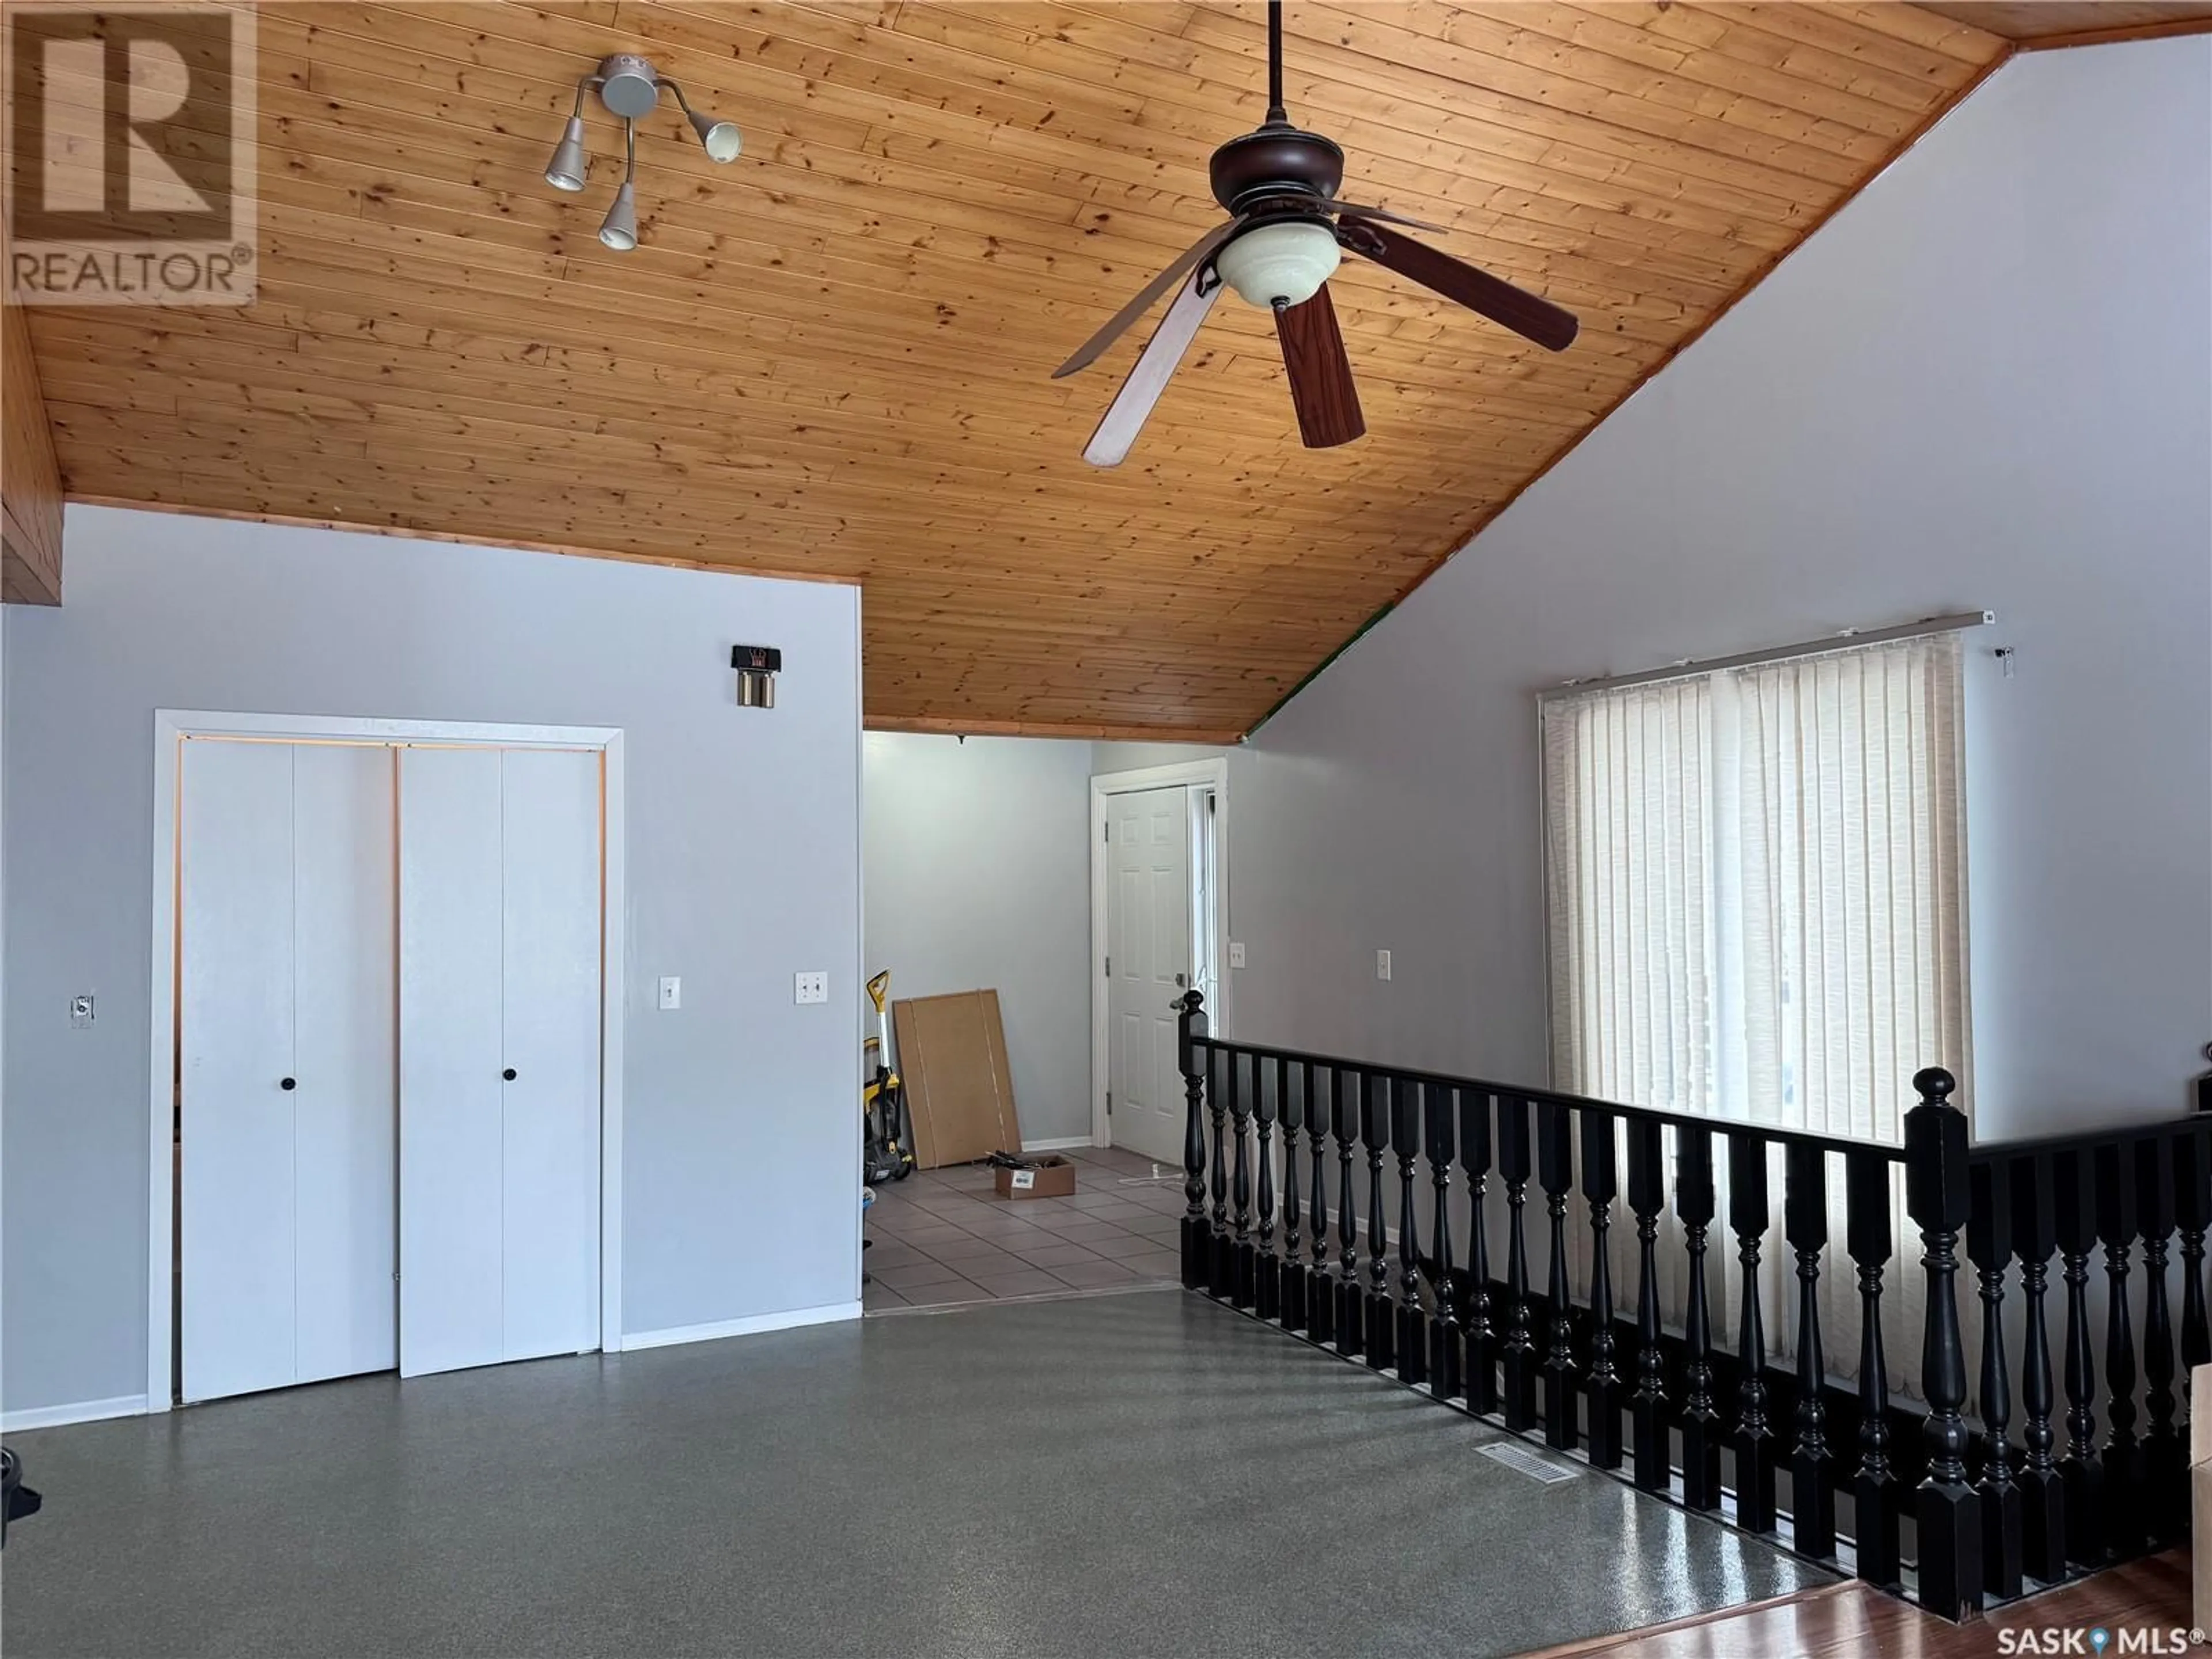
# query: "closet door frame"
x,y
173,728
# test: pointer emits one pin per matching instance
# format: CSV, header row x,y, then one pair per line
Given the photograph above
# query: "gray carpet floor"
x,y
1134,1475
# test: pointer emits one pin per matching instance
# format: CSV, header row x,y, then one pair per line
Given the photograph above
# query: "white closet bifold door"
x,y
499,995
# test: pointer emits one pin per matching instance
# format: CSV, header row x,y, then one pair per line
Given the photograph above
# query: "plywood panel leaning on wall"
x,y
952,1054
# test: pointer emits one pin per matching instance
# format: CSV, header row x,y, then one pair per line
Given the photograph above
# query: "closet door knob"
x,y
288,1083
508,1074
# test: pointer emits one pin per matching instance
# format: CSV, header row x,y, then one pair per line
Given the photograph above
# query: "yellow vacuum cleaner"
x,y
889,1152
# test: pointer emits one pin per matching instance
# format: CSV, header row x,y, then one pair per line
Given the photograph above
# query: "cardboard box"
x,y
1053,1177
959,1089
2200,1491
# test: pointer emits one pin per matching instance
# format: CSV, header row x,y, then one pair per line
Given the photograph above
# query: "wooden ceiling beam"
x,y
30,488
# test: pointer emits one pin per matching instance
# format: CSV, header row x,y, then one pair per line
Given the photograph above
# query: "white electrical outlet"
x,y
1236,953
672,991
811,988
1382,964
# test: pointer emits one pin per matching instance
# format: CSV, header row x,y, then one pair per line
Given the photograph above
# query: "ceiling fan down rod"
x,y
1275,62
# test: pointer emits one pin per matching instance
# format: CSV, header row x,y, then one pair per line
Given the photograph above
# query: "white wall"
x,y
977,874
1987,383
741,1147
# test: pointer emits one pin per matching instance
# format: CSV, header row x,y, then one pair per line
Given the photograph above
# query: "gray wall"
x,y
976,867
1987,383
742,1139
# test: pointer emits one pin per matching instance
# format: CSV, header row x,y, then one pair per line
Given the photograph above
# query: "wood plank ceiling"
x,y
830,358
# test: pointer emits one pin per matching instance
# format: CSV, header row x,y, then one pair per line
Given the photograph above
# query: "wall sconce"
x,y
629,87
757,666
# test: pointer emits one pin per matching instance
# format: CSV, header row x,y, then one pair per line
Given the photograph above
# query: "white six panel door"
x,y
1148,937
285,917
500,884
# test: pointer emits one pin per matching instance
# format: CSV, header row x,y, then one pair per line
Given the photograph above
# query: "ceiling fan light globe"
x,y
569,165
1280,264
619,229
721,139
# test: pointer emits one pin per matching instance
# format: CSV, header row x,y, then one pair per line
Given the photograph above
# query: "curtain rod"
x,y
1849,638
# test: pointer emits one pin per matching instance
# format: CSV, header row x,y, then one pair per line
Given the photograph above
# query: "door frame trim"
x,y
172,726
1201,774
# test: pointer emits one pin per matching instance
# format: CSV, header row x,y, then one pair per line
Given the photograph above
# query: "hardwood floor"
x,y
1850,1621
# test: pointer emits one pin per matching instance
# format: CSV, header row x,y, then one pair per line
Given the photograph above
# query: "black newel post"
x,y
1938,1200
1647,1200
2164,1461
2124,1531
2192,1209
1240,1135
1877,1496
1756,1451
1520,1355
1321,1290
1381,1316
1555,1160
1197,1234
1265,1279
1220,1069
1351,1301
1989,1246
1412,1323
1811,1470
1481,1372
1599,1188
1293,1271
1701,1424
2082,1472
1445,1380
2042,1491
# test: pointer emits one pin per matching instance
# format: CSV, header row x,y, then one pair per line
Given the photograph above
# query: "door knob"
x,y
508,1074
1179,980
289,1083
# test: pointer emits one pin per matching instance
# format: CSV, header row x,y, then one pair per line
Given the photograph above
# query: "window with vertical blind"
x,y
1757,887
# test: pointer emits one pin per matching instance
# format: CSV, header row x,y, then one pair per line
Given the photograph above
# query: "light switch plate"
x,y
811,988
1236,953
1382,964
672,991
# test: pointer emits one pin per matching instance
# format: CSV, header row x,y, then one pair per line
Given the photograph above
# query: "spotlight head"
x,y
722,139
619,229
569,165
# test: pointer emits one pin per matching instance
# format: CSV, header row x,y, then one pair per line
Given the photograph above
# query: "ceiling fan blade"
x,y
1090,349
1478,290
1126,416
1320,374
1353,210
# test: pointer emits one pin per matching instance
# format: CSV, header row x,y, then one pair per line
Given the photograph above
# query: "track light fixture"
x,y
630,88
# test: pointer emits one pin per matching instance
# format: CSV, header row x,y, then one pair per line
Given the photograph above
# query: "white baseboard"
x,y
752,1324
1058,1145
83,1411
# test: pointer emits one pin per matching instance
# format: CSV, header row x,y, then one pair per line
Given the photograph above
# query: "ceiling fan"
x,y
1278,249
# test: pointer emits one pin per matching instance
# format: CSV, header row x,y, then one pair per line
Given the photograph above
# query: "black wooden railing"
x,y
1905,1493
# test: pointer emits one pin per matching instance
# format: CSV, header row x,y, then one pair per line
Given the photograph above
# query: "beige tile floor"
x,y
945,1236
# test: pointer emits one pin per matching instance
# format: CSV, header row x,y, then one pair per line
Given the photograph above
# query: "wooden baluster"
x,y
2125,1531
1350,1301
1555,1162
1811,1470
1292,1271
1647,1200
2192,1209
1190,1060
1989,1247
1265,1279
1482,1351
1520,1355
1757,1451
1701,1424
1877,1495
2081,1471
1219,1255
1321,1289
1948,1511
2042,1491
2165,1464
1600,1186
1446,1380
1380,1314
1240,1186
1412,1323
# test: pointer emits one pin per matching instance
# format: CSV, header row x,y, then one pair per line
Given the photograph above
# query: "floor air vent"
x,y
1521,1461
